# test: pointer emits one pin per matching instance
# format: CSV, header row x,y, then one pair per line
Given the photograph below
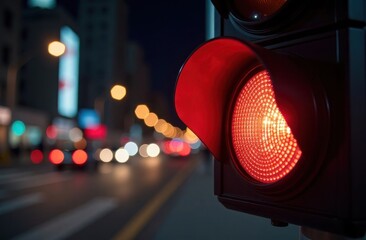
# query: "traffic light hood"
x,y
212,74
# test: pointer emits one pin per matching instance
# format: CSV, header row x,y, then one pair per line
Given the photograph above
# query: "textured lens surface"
x,y
262,141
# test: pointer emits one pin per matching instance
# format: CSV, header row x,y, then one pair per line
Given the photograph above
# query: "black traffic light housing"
x,y
314,53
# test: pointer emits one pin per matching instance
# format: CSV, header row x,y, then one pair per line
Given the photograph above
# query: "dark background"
x,y
168,31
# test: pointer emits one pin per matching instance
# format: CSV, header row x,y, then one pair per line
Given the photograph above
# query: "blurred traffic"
x,y
66,143
66,102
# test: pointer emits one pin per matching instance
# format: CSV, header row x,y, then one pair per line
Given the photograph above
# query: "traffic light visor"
x,y
205,83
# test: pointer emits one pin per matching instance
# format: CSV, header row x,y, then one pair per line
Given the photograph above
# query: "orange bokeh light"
x,y
142,111
56,156
79,157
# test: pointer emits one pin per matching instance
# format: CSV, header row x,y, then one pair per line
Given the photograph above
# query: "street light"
x,y
55,48
118,92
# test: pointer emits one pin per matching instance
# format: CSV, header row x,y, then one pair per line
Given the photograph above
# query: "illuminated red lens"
x,y
256,10
262,140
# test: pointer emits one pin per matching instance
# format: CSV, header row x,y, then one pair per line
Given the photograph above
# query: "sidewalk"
x,y
197,214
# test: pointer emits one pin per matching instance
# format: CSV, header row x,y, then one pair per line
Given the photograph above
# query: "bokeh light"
x,y
142,111
18,128
56,48
82,144
161,126
36,156
190,137
79,157
51,132
131,148
75,134
143,150
56,156
34,135
106,155
151,119
118,92
153,150
121,155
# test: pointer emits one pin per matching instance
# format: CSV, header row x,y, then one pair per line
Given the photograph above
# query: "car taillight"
x,y
79,157
56,156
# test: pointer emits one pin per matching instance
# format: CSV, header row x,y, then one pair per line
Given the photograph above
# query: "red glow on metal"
x,y
262,140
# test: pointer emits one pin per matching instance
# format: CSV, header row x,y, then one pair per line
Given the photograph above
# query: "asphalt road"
x,y
115,202
154,198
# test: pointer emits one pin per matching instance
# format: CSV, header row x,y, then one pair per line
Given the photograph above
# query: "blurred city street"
x,y
197,214
145,198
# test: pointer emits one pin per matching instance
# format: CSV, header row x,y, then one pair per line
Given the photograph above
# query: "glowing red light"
x,y
166,147
262,140
51,132
79,157
56,156
96,132
185,151
177,147
36,156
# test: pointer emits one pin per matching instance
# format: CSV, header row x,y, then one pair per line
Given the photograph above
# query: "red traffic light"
x,y
257,103
284,114
262,141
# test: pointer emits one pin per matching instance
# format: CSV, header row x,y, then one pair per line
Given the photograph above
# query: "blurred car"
x,y
77,159
176,148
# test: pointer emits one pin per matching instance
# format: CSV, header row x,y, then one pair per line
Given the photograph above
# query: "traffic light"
x,y
279,98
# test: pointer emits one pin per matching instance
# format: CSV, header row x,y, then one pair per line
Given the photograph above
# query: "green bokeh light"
x,y
18,128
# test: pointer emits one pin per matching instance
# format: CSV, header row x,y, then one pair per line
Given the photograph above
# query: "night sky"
x,y
167,31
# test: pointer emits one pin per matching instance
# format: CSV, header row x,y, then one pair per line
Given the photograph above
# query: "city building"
x,y
35,86
103,35
46,82
10,22
10,12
